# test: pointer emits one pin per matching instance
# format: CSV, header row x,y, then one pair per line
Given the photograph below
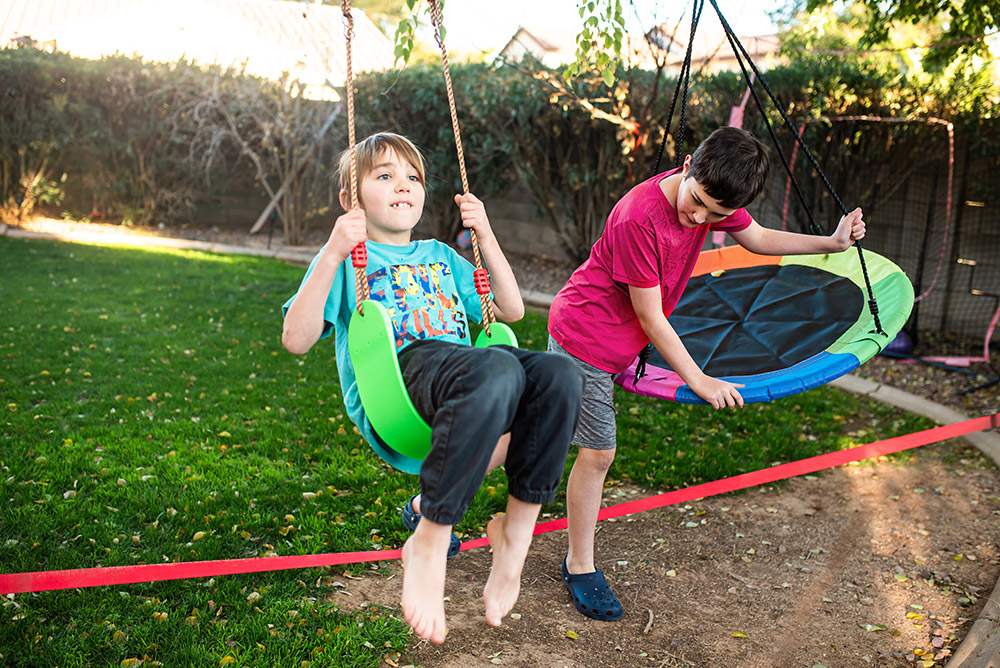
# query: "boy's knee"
x,y
502,371
595,460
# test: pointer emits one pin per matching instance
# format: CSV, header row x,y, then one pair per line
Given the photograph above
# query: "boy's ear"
x,y
345,200
686,167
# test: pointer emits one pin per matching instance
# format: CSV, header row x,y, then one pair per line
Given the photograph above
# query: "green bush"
x,y
578,147
44,115
129,137
134,144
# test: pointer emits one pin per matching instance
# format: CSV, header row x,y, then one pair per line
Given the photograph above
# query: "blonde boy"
x,y
470,396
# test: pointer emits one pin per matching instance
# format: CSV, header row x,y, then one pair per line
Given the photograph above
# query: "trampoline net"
x,y
898,172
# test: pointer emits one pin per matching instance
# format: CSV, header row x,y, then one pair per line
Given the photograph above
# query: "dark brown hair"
x,y
731,165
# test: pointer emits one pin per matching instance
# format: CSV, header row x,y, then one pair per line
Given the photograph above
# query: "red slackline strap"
x,y
15,583
783,471
121,575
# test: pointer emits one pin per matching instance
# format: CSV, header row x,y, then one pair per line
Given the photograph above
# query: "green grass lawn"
x,y
150,415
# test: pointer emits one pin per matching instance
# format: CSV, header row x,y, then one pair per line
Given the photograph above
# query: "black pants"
x,y
472,396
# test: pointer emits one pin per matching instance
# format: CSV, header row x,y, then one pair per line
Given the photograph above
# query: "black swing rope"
x,y
682,82
681,90
738,49
681,87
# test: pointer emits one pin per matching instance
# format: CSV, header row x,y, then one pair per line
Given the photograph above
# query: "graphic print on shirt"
x,y
421,300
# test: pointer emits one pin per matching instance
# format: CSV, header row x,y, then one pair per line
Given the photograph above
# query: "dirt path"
x,y
868,565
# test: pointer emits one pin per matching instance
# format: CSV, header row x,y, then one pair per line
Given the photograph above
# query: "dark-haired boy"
x,y
620,298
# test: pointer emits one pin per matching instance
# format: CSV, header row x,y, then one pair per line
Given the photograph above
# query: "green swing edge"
x,y
372,345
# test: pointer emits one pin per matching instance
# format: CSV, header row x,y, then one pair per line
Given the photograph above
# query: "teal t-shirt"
x,y
427,289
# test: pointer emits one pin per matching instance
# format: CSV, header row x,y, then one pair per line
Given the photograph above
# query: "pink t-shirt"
x,y
643,244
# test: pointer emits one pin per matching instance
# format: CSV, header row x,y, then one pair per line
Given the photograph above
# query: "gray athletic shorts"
x,y
596,429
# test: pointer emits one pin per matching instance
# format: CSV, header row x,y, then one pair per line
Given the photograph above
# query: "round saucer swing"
x,y
776,325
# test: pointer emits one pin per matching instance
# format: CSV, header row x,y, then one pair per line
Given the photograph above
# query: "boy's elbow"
x,y
511,312
291,345
649,321
294,344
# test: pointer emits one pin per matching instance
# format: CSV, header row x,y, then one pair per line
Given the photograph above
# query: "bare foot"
x,y
510,548
424,563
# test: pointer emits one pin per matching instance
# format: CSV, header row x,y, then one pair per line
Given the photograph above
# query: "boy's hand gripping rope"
x,y
359,256
480,274
738,50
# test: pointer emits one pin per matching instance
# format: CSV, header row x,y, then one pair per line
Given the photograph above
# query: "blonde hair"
x,y
368,151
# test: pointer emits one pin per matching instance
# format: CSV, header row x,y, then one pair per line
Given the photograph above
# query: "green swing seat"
x,y
372,345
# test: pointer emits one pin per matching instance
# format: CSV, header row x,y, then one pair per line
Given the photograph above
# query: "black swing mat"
x,y
761,319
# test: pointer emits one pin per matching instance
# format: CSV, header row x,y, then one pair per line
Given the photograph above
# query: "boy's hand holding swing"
x,y
474,217
348,232
850,228
717,392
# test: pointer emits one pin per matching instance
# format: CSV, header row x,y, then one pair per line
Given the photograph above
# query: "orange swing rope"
x,y
359,254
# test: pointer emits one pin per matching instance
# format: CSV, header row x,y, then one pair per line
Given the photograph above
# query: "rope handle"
x,y
484,298
359,255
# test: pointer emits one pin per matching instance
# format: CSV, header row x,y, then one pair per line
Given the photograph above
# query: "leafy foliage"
x,y
577,146
385,13
155,144
101,125
963,25
407,47
142,143
599,43
42,121
222,120
135,169
405,33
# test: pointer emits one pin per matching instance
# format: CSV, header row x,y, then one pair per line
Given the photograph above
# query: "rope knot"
x,y
640,367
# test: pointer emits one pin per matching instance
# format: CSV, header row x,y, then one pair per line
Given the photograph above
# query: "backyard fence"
x,y
927,207
551,158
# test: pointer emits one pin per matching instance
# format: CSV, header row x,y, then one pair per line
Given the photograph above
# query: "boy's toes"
x,y
426,626
434,632
493,618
